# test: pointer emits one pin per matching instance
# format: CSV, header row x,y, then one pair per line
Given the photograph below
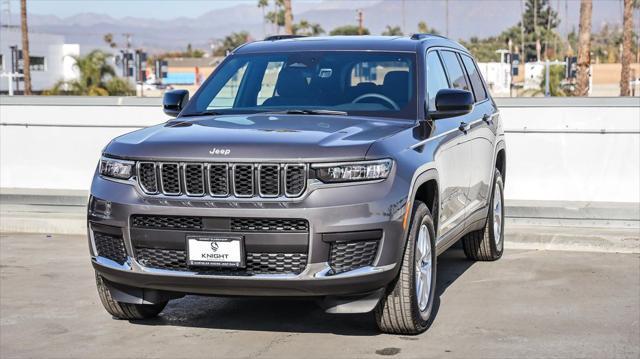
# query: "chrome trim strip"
x,y
278,167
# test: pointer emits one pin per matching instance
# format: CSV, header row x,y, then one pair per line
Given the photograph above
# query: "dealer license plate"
x,y
215,251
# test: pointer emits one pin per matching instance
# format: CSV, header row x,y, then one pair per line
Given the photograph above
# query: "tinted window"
x,y
436,78
456,75
476,81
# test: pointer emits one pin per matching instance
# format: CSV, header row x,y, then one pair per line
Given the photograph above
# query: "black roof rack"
x,y
424,36
281,37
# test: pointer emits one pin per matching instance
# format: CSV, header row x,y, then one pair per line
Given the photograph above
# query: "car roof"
x,y
344,43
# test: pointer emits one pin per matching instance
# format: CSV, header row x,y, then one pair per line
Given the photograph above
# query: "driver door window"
x,y
436,78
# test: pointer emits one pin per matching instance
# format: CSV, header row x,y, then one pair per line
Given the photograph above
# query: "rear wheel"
x,y
406,309
487,244
127,311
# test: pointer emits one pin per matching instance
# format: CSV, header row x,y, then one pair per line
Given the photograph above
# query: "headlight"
x,y
353,171
121,169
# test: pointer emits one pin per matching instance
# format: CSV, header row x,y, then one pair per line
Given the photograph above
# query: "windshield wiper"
x,y
204,113
311,112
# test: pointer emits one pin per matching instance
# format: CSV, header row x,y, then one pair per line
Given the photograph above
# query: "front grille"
x,y
221,224
347,256
221,179
256,263
269,224
110,246
167,222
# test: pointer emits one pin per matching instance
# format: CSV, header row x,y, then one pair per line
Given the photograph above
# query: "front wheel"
x,y
406,309
127,311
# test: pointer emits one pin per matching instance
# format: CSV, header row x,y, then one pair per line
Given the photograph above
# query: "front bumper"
x,y
378,206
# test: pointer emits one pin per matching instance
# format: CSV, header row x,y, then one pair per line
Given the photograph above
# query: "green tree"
x,y
539,22
348,30
231,41
392,31
556,86
423,28
306,28
97,78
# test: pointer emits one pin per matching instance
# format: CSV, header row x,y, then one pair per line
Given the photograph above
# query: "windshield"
x,y
380,84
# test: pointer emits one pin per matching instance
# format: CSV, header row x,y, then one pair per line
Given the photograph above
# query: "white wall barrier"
x,y
558,149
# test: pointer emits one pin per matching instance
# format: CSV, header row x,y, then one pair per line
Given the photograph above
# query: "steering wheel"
x,y
393,104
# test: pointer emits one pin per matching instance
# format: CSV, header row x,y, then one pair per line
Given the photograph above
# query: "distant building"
x,y
49,55
190,71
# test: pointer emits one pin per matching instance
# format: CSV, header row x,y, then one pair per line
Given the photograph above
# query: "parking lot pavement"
x,y
528,304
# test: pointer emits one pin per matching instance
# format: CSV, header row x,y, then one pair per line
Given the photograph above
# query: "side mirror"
x,y
451,103
174,101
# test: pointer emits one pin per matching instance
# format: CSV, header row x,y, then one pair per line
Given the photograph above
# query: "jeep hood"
x,y
256,137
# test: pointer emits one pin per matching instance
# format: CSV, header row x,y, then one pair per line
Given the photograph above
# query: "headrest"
x,y
397,80
292,83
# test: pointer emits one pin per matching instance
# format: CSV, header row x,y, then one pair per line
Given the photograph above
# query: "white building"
x,y
50,58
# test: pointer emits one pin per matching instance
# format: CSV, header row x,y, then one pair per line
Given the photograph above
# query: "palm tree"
x,y
306,28
392,31
627,34
97,78
26,60
584,49
262,4
288,18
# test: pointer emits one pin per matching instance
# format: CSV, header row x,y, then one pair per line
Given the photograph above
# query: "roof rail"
x,y
424,36
281,37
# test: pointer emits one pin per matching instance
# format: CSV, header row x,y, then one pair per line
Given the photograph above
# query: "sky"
x,y
157,9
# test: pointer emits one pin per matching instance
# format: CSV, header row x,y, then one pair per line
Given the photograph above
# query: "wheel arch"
x,y
501,160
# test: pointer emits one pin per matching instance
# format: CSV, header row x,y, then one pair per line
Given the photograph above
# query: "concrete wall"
x,y
559,149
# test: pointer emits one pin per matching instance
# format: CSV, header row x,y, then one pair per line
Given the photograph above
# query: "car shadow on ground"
x,y
287,314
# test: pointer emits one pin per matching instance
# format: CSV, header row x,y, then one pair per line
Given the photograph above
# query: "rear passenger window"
x,y
476,81
456,75
436,78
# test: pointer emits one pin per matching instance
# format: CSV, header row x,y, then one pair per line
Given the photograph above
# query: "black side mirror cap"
x,y
451,103
174,101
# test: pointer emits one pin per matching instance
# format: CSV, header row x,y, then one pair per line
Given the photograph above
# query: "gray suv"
x,y
333,168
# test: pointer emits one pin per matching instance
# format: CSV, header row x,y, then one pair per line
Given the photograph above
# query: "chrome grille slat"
x,y
243,180
269,180
218,179
193,179
170,178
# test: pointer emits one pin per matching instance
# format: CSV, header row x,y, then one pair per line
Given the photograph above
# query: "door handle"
x,y
464,127
486,118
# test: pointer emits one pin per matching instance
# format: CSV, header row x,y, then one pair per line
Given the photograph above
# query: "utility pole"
x,y
25,48
288,18
522,58
360,21
404,23
446,18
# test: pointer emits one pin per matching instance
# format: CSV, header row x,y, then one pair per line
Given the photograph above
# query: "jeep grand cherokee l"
x,y
336,168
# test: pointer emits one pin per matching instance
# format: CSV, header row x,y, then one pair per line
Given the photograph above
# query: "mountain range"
x,y
467,18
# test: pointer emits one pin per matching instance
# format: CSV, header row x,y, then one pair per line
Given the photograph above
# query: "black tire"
x,y
483,244
126,311
398,312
